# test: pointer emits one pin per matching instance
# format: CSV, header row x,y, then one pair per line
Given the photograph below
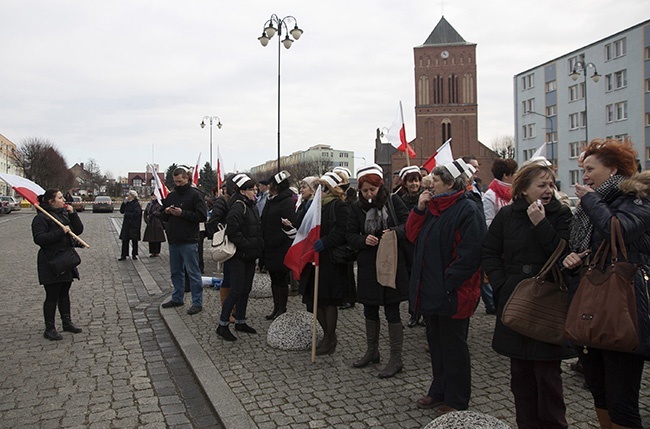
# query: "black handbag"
x,y
64,260
537,307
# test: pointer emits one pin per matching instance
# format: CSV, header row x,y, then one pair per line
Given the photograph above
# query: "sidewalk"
x,y
252,385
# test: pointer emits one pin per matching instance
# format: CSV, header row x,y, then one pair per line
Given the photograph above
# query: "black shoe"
x,y
224,332
122,258
242,327
346,305
134,257
194,310
491,310
412,321
170,304
52,335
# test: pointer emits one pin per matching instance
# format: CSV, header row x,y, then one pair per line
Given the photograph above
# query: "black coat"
x,y
218,215
244,229
514,250
370,292
154,232
276,242
51,238
132,220
184,228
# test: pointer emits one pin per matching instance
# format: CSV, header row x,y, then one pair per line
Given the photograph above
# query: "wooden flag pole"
x,y
313,334
72,234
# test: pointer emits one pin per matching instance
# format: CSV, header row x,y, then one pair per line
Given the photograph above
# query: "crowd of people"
x,y
453,244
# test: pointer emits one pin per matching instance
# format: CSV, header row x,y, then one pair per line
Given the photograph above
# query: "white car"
x,y
11,202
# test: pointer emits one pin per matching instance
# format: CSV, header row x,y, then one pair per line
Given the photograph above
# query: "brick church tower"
x,y
446,100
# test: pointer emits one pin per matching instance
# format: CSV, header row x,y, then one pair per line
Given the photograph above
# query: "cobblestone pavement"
x,y
248,383
123,371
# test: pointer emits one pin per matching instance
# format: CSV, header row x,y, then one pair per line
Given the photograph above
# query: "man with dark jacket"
x,y
184,209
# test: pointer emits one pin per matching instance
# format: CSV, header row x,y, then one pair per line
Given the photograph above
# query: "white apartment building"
x,y
7,148
601,90
323,155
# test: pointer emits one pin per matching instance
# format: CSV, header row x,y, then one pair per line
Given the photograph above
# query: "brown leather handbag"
x,y
537,307
603,312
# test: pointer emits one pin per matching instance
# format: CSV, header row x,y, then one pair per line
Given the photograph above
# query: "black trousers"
x,y
57,294
450,361
125,247
614,379
391,311
154,247
240,277
537,388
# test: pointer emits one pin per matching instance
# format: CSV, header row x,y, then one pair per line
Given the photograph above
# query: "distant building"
x,y
7,165
551,107
314,161
142,182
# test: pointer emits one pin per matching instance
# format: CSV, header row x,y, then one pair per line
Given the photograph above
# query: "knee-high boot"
x,y
49,311
274,313
396,340
372,339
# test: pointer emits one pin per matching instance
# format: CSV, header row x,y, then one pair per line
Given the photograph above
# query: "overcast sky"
x,y
128,82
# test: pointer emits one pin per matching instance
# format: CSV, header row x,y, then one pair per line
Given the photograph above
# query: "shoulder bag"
x,y
222,249
64,260
537,307
603,312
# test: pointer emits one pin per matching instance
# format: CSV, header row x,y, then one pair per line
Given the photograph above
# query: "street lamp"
x,y
578,68
211,118
271,27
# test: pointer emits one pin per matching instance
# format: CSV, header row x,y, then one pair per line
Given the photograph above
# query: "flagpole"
x,y
72,234
313,334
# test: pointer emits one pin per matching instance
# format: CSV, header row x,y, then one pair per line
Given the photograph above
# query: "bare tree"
x,y
43,163
504,146
95,178
310,168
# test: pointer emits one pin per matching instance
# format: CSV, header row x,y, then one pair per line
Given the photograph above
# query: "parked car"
x,y
103,204
25,204
11,202
78,204
4,207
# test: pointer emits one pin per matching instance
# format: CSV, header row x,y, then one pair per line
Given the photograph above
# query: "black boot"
x,y
68,326
372,338
274,313
283,297
49,310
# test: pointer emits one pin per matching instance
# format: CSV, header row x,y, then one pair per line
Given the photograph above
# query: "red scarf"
x,y
437,205
501,190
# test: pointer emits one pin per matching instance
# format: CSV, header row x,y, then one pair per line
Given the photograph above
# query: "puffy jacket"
x,y
244,229
446,272
184,228
276,241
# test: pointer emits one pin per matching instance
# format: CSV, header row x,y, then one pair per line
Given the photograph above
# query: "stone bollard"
x,y
293,331
466,420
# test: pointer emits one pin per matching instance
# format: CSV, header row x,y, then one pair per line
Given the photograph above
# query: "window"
x,y
647,85
326,154
137,182
621,111
575,177
574,149
647,154
608,52
647,119
529,131
574,60
573,121
621,137
647,53
528,153
528,81
551,137
577,91
551,110
551,86
620,48
608,82
620,79
528,105
609,113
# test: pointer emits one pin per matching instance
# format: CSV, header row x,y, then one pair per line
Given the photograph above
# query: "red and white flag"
x,y
302,250
25,187
160,190
220,175
396,134
440,157
195,173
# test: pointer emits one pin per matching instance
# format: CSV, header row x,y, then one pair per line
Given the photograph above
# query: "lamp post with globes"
x,y
273,26
211,119
579,68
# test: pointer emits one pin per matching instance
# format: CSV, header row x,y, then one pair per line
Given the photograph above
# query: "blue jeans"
x,y
487,296
185,256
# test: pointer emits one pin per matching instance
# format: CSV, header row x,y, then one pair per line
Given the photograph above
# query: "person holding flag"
x,y
53,240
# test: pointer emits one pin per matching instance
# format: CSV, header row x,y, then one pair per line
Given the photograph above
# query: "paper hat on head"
x,y
133,193
410,169
312,182
458,167
332,179
281,177
242,181
541,160
343,170
370,169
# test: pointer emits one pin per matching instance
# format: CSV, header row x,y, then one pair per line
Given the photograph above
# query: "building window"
x,y
551,110
647,53
528,105
574,149
608,82
609,113
647,119
551,137
574,60
575,176
528,81
621,111
550,86
573,121
647,154
577,91
620,79
137,182
621,137
529,131
528,153
647,85
620,48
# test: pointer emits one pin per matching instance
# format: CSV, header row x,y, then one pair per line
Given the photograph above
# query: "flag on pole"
x,y
396,134
302,250
160,190
220,175
440,157
25,187
195,173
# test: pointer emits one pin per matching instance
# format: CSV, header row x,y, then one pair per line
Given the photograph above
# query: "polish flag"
x,y
195,173
440,157
161,190
25,187
220,175
396,134
302,250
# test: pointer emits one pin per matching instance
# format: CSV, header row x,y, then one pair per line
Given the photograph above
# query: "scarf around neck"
x,y
501,190
440,203
581,226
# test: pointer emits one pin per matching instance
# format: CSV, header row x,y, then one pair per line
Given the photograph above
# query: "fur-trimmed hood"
x,y
638,185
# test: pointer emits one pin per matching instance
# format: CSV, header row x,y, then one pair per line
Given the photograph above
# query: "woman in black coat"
x,y
520,240
154,232
279,206
131,225
52,239
374,213
244,230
